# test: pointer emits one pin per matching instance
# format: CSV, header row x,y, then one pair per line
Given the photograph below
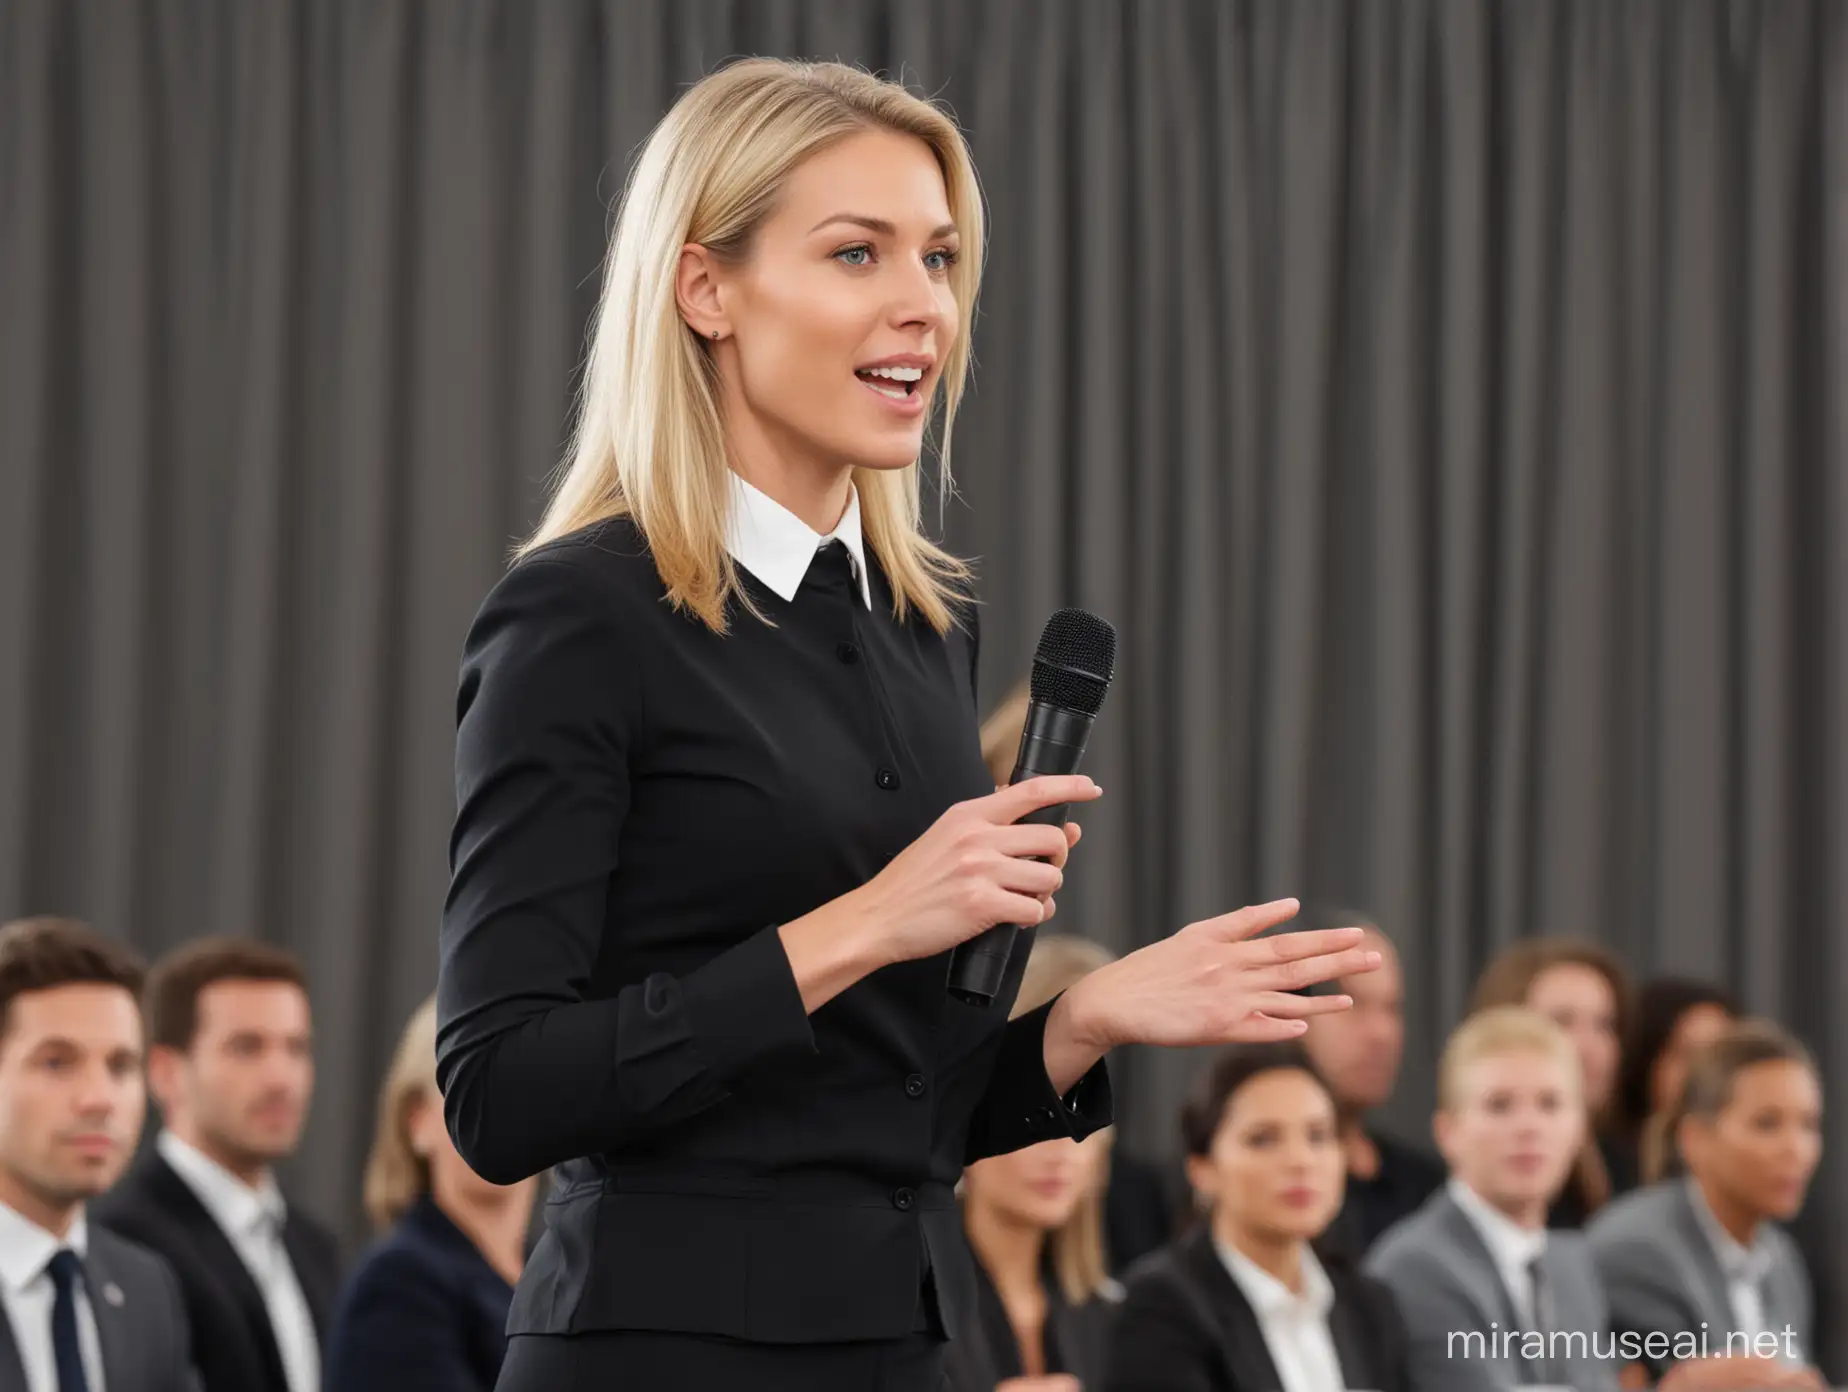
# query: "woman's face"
x,y
1698,1025
450,1175
1041,1186
1276,1167
1762,1147
835,328
1580,1001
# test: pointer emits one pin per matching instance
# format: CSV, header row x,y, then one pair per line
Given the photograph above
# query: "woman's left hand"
x,y
1214,982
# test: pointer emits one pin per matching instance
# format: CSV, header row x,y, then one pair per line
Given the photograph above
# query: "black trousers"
x,y
642,1361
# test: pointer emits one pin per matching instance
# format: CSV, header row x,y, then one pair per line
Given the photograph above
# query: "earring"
x,y
715,335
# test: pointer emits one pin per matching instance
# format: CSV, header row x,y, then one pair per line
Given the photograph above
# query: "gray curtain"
x,y
1445,399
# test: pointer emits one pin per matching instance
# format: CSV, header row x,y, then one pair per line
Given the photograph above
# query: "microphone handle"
x,y
1052,742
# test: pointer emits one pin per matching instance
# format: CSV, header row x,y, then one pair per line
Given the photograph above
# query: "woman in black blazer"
x,y
1035,1221
1245,1303
426,1310
722,813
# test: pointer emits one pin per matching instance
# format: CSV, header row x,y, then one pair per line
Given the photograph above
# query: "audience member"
x,y
83,1309
1492,1299
1696,1264
1584,990
426,1311
1244,1301
1139,1215
230,1063
1358,1052
1673,1017
1034,1220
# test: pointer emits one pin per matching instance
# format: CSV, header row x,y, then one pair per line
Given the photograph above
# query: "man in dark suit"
x,y
1358,1053
231,1065
83,1309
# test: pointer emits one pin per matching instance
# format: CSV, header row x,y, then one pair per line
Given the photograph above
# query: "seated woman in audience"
x,y
1244,1302
1697,1263
426,1311
1673,1018
1585,991
1034,1219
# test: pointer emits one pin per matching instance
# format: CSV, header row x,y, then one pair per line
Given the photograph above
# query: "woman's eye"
x,y
939,260
855,255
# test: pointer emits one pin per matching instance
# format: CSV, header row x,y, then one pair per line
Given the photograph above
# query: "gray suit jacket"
x,y
1455,1302
1663,1277
140,1322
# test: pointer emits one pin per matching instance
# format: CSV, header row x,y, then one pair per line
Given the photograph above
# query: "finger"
x,y
1051,906
1266,1029
1023,909
1074,833
1301,972
1249,922
1289,1006
1029,840
1030,794
1035,877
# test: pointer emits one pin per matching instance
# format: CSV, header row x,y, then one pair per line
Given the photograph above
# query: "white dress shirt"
x,y
252,1219
1513,1248
1295,1327
776,546
1745,1269
26,1251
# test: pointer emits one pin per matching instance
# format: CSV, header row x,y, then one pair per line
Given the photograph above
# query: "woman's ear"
x,y
698,293
1203,1179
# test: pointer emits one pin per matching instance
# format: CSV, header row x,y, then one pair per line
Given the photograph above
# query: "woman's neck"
x,y
814,490
1010,1251
1275,1254
1738,1221
496,1224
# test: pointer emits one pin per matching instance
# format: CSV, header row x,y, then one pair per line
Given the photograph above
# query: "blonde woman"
x,y
1035,1221
722,814
426,1310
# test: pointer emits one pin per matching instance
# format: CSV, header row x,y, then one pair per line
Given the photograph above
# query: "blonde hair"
x,y
649,438
1001,733
396,1176
1495,1033
1075,1249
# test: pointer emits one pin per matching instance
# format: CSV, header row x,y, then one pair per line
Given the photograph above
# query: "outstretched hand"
x,y
1218,982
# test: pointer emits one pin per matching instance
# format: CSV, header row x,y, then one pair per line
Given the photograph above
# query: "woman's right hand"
x,y
972,869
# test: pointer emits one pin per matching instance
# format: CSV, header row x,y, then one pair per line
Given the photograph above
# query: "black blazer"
x,y
232,1341
1075,1337
640,802
1408,1175
1185,1326
140,1323
423,1312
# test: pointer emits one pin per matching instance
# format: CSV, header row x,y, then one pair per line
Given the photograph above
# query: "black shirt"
x,y
1407,1176
641,802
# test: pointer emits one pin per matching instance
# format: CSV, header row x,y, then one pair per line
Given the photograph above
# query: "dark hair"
x,y
1660,1006
40,954
1236,1066
175,983
1713,1072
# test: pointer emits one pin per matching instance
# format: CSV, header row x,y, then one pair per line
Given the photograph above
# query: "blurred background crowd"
x,y
1443,397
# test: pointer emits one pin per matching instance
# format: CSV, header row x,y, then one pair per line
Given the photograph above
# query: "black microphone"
x,y
1071,673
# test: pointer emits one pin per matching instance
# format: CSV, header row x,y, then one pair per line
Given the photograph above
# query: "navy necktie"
x,y
66,1272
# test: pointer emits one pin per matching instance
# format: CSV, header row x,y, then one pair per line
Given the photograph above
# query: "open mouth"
x,y
897,383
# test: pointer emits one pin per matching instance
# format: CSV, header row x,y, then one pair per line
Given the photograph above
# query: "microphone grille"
x,y
1076,657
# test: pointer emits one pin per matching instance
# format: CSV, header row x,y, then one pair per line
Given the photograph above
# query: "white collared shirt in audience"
x,y
252,1220
1513,1248
26,1251
1745,1269
1295,1327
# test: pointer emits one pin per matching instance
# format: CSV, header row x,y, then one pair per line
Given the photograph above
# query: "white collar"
x,y
233,1204
1749,1264
26,1248
1269,1297
777,547
1513,1247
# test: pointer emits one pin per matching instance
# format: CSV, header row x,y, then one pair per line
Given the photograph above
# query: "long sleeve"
x,y
533,1073
1020,1107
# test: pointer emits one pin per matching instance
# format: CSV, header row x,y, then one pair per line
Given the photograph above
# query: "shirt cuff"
x,y
1044,1114
745,1006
